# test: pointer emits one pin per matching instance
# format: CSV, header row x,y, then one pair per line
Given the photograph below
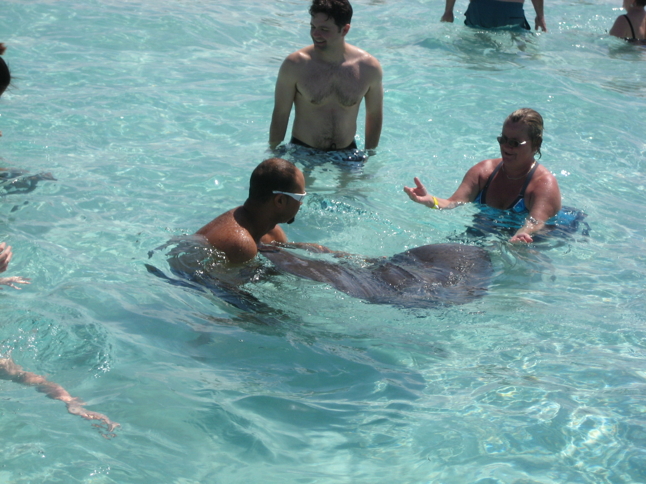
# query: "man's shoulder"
x,y
296,63
224,230
301,56
362,57
226,234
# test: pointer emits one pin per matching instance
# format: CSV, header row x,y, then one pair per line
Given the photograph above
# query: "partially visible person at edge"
x,y
632,25
492,14
326,82
9,370
514,182
5,250
276,192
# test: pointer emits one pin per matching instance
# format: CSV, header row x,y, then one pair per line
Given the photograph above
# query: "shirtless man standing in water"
x,y
326,82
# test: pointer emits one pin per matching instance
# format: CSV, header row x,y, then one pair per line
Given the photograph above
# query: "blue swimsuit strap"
x,y
483,194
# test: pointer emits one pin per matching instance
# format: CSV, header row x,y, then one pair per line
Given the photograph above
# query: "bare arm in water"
x,y
9,370
309,247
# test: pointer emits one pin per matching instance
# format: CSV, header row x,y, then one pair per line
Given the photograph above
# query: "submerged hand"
x,y
9,281
524,238
75,407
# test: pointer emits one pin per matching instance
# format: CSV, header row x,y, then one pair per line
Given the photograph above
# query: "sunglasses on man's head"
x,y
503,140
296,196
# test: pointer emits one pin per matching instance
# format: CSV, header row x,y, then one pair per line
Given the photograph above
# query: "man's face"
x,y
293,205
325,33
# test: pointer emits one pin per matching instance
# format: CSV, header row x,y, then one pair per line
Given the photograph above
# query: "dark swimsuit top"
x,y
518,205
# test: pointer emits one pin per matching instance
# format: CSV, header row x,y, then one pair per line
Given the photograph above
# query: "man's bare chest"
x,y
322,85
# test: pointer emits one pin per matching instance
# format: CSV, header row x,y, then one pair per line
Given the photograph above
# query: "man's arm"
x,y
277,234
540,17
448,11
374,109
307,246
283,101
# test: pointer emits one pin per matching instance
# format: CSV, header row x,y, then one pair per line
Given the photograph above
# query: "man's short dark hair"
x,y
272,174
338,10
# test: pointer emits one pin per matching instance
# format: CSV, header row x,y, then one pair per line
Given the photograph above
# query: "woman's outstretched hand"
x,y
419,193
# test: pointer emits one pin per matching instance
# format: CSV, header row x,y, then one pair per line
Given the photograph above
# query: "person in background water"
x,y
492,14
632,25
514,182
326,82
5,250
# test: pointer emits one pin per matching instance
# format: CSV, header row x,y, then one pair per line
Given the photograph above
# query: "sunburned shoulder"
x,y
225,234
237,249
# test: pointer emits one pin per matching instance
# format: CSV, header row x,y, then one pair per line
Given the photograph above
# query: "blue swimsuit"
x,y
518,205
492,220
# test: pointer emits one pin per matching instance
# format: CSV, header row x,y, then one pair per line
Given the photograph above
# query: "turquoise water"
x,y
151,115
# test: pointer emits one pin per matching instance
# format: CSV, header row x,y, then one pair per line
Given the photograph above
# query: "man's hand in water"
x,y
277,246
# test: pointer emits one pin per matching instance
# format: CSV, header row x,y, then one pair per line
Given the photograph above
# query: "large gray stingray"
x,y
426,276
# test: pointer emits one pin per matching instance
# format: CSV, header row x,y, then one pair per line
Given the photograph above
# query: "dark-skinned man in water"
x,y
276,192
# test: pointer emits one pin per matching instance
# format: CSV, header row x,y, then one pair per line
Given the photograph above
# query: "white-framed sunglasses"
x,y
296,196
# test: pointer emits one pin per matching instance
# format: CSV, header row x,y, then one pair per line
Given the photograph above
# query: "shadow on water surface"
x,y
489,50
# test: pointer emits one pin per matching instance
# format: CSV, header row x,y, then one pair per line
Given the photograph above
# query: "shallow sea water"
x,y
151,116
